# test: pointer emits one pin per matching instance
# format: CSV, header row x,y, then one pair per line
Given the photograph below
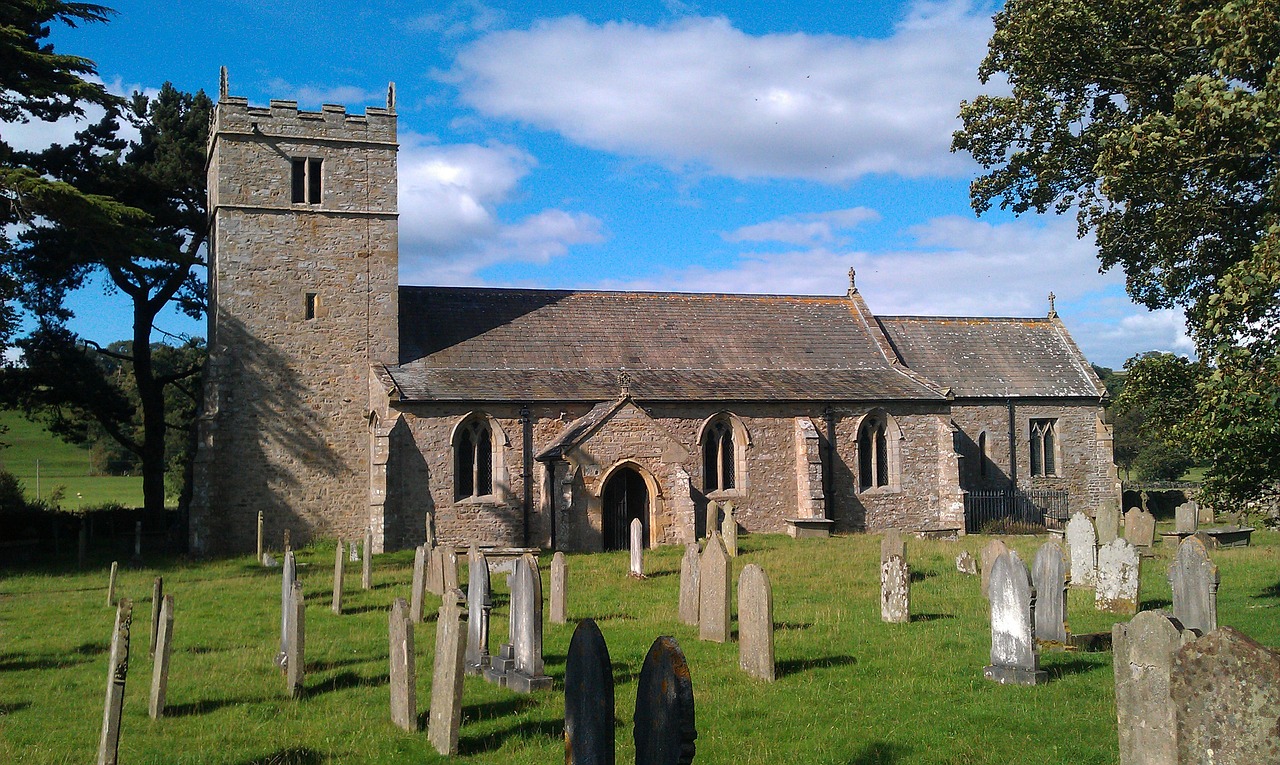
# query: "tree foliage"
x,y
1158,123
1157,407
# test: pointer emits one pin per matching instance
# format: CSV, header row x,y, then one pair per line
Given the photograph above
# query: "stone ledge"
x,y
809,528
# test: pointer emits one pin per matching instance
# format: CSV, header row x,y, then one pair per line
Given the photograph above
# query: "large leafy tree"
x,y
1157,406
1158,123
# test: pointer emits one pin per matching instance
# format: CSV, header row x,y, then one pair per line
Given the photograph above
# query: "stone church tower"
x,y
302,302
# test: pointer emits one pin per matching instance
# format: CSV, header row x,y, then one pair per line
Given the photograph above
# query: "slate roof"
x,y
986,357
459,343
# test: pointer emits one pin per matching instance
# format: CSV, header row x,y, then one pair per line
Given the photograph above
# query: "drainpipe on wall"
x,y
526,421
829,416
1013,448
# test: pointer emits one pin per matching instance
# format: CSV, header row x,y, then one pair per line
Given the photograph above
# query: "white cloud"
x,y
458,19
37,135
806,229
699,92
449,222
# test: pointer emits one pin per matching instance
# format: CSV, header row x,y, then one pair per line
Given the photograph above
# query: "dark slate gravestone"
x,y
479,605
588,699
1049,576
1226,696
664,724
1194,580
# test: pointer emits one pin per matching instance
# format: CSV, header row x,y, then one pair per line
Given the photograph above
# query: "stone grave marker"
x,y
1142,660
1140,529
1082,546
990,553
895,590
588,699
446,678
429,540
1106,521
366,561
1117,578
339,569
965,563
1049,577
688,611
287,545
269,560
526,603
137,541
417,588
404,683
117,673
729,530
160,668
449,568
111,584
712,519
157,597
1226,699
1014,658
1185,518
665,731
891,544
1194,580
479,605
261,549
755,623
637,549
1204,514
288,575
713,592
295,663
353,553
435,570
559,580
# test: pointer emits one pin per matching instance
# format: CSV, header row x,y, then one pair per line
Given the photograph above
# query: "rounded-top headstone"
x,y
588,698
665,733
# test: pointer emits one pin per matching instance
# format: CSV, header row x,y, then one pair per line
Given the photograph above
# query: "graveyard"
x,y
850,687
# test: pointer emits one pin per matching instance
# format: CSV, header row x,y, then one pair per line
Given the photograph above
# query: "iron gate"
x,y
1030,508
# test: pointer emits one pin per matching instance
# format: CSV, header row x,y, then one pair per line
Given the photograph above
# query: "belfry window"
x,y
307,177
718,456
1044,447
473,460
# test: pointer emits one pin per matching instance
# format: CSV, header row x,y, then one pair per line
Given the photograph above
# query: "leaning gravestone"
x,y
404,685
117,673
965,563
990,553
1185,518
111,584
1116,590
479,605
1082,546
446,679
729,530
1049,577
665,731
1194,580
713,592
1143,651
895,590
689,583
1140,529
755,623
559,580
162,652
288,575
295,662
339,569
588,699
1014,658
449,568
1107,522
637,548
1226,699
419,585
526,604
157,598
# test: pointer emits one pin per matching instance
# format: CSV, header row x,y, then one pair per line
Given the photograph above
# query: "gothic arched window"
x,y
877,451
719,456
473,459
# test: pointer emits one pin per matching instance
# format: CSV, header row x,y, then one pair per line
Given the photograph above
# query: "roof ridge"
x,y
627,293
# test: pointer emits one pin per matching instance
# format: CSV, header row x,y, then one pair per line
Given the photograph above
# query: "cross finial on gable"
x,y
1053,313
223,87
853,287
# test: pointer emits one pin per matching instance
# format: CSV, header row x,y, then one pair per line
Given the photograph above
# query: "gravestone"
x,y
269,560
755,623
163,650
117,673
1140,529
295,663
559,580
339,569
429,540
157,597
435,570
1194,580
1185,518
665,731
111,584
965,563
446,678
261,549
895,590
712,522
416,589
287,545
637,548
729,530
1116,588
288,575
1082,547
1226,699
1142,660
588,699
404,683
891,544
688,611
990,553
479,605
1049,577
449,568
137,541
526,604
353,554
713,592
1106,520
1014,658
366,562
1204,514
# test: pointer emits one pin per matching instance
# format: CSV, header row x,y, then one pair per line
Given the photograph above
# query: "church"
x,y
337,400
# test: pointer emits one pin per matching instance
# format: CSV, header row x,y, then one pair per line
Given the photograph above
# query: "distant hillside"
x,y
60,465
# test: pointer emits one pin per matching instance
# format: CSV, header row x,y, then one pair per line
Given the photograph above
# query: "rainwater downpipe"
x,y
1013,448
526,467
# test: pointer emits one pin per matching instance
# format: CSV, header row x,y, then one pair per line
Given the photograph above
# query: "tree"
x,y
1158,123
151,255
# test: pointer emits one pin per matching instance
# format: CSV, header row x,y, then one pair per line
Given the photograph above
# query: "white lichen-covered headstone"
x,y
1116,586
1014,657
637,548
1082,547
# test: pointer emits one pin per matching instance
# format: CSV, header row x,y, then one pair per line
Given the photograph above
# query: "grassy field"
x,y
851,690
60,465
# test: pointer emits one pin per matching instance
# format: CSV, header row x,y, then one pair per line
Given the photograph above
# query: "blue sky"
x,y
736,147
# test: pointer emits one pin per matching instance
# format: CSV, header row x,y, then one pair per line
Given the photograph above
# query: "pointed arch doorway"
x,y
625,498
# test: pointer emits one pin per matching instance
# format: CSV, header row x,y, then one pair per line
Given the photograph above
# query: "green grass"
x,y
60,465
851,689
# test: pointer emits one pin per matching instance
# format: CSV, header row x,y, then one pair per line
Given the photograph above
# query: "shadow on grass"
x,y
930,617
796,666
81,654
15,706
1271,592
660,573
920,576
354,610
879,753
1155,604
489,710
548,729
344,680
792,625
325,666
206,706
1059,670
607,617
299,755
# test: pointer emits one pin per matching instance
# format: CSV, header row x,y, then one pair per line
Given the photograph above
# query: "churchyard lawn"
x,y
851,689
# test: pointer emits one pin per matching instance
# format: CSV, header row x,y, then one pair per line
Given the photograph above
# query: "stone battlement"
x,y
283,119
